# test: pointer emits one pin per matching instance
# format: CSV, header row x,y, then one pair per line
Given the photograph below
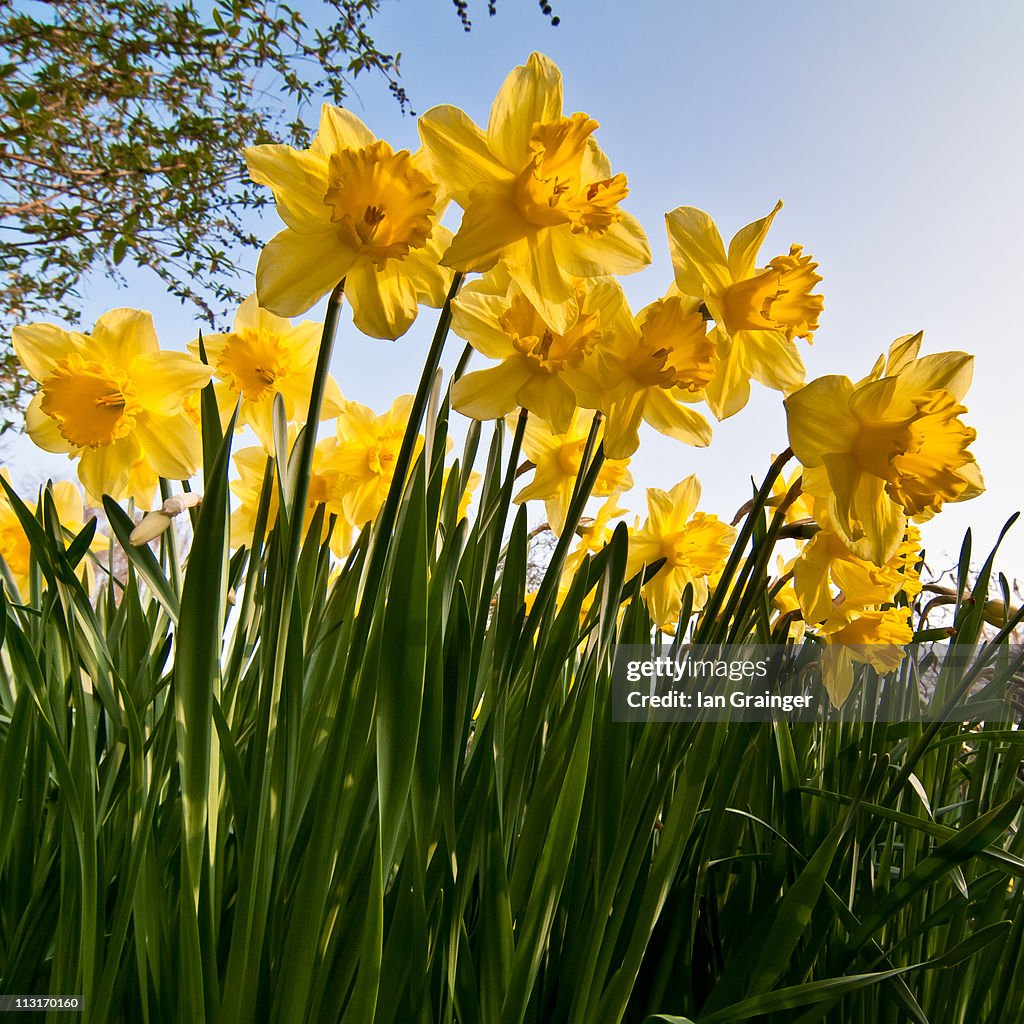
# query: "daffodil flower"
x,y
757,311
538,366
363,457
112,398
251,465
265,355
538,193
651,369
355,210
594,533
825,564
695,545
15,548
891,446
876,637
557,459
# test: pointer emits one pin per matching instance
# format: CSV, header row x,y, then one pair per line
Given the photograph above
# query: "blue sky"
x,y
892,131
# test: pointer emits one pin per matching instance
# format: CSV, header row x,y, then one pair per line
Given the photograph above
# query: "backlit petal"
x,y
622,249
819,419
491,223
531,94
550,398
674,420
490,394
298,179
340,129
383,301
457,153
772,359
746,244
729,389
105,470
536,269
698,252
41,346
164,380
43,429
295,271
172,444
123,334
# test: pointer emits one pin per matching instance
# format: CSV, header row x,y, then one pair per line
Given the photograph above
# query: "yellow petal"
x,y
298,180
869,522
172,444
622,428
772,359
490,394
819,419
295,271
340,129
458,154
531,94
837,672
811,579
622,249
67,499
491,223
902,352
698,252
41,346
383,301
105,470
475,316
535,268
729,389
746,244
250,315
942,371
124,334
430,280
668,417
213,344
164,380
43,429
550,398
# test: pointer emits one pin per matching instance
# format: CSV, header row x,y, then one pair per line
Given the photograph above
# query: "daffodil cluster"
x,y
543,226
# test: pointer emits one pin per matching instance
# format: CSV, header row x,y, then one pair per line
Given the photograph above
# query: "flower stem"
x,y
304,469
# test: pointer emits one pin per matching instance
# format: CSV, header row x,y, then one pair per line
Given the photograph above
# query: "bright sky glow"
x,y
892,131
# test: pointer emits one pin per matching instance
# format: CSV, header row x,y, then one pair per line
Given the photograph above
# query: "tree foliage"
x,y
121,129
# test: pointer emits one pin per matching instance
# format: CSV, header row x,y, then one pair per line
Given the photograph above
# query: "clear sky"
x,y
892,131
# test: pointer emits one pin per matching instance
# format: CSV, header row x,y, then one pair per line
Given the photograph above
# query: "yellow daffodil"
x,y
15,548
651,369
757,311
363,457
264,355
891,446
694,545
539,366
538,193
825,565
557,459
112,398
355,210
876,638
251,465
594,533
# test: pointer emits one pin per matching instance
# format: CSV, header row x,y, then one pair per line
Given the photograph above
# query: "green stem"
x,y
304,470
382,535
